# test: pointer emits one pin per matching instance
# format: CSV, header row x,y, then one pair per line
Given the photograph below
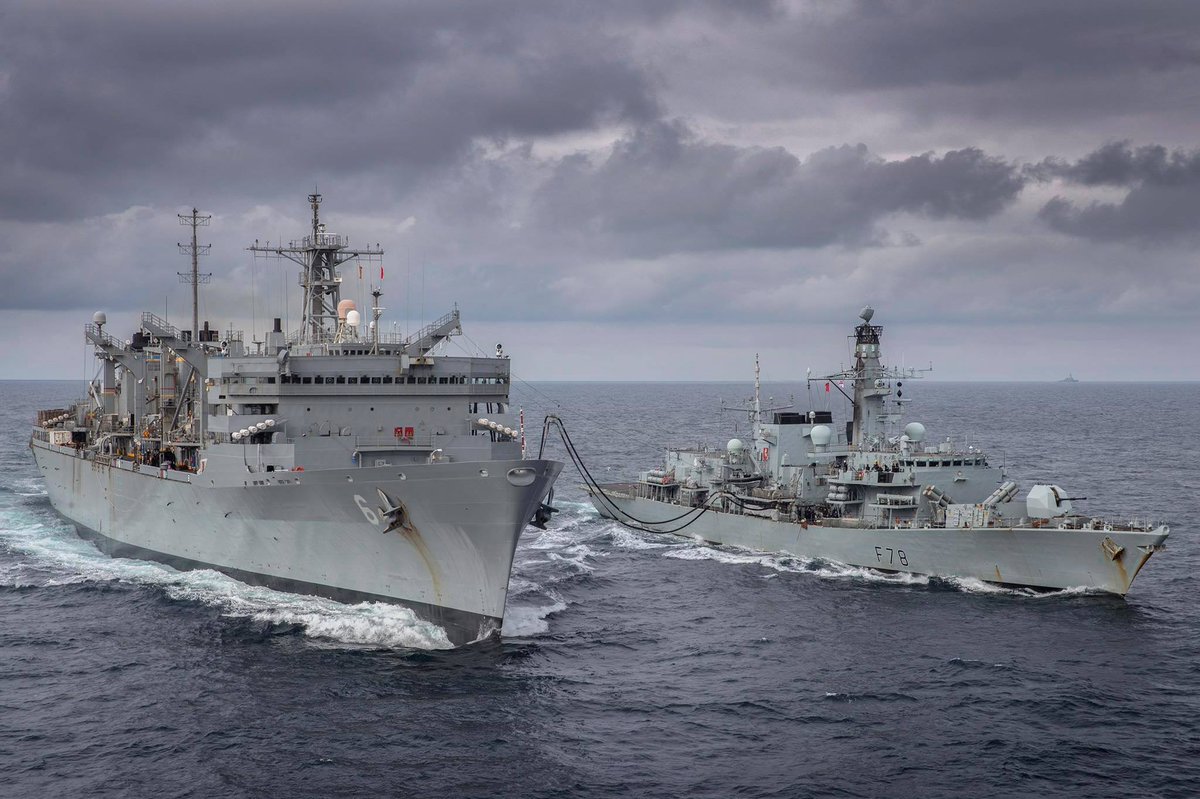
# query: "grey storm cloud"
x,y
969,72
104,99
873,44
554,160
1162,201
663,189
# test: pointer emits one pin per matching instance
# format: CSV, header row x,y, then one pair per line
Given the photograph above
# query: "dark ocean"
x,y
632,665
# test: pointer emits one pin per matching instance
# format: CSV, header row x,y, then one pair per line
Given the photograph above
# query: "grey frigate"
x,y
879,495
336,461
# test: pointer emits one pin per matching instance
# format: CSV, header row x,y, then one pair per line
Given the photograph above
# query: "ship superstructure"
x,y
878,493
334,460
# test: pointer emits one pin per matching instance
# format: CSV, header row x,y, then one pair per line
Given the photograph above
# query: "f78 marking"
x,y
890,556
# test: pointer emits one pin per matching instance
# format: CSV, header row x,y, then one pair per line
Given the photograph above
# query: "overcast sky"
x,y
623,190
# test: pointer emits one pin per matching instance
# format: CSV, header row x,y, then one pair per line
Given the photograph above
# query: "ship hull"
x,y
1040,558
325,533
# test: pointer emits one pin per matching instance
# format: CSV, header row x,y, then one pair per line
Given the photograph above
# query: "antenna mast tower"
x,y
319,255
195,220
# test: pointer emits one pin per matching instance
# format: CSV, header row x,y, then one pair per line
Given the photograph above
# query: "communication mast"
x,y
319,256
195,220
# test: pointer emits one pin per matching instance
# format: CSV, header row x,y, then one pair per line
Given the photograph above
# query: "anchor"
x,y
542,515
394,513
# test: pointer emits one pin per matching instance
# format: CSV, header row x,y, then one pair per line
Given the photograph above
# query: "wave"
x,y
55,556
781,563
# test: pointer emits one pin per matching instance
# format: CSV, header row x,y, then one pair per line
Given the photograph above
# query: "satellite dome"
x,y
344,307
99,318
735,446
915,432
352,318
821,435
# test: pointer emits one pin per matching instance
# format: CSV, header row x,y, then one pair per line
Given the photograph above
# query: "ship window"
x,y
352,380
387,379
341,379
443,380
365,379
307,380
376,380
271,380
958,462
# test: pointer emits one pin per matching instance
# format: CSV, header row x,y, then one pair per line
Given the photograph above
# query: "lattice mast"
x,y
319,256
195,220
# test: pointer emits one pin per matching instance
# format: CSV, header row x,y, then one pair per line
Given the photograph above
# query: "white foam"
x,y
792,564
576,557
68,559
975,586
629,539
524,621
552,538
29,487
972,585
375,624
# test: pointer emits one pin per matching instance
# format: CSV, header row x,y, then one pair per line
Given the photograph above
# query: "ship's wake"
x,y
48,553
681,548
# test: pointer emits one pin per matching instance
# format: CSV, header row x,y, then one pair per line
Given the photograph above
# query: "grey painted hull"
x,y
1043,558
320,532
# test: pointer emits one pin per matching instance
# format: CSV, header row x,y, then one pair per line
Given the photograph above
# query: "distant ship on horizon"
x,y
1070,378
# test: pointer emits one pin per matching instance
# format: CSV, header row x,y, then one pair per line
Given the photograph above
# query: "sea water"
x,y
632,664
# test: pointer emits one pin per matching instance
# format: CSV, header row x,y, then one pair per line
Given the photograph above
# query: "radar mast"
x,y
319,255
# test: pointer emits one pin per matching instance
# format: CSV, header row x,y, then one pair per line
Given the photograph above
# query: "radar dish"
x,y
866,313
821,435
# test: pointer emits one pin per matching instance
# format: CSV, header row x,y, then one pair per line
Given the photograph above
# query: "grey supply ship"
x,y
335,461
879,496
